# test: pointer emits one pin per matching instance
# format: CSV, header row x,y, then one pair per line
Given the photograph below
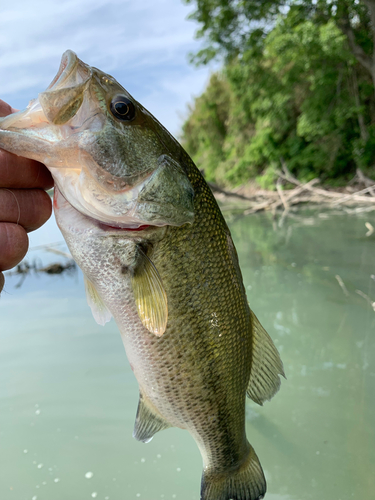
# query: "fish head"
x,y
110,158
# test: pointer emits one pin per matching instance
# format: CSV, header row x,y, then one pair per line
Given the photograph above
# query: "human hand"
x,y
24,205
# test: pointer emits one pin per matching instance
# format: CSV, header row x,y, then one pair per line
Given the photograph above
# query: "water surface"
x,y
68,396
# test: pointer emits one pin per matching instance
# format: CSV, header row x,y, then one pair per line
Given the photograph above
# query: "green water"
x,y
68,396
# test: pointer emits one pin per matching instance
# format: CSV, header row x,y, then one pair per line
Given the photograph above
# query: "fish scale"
x,y
157,255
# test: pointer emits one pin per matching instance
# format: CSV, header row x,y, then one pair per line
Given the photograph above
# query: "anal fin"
x,y
147,422
266,365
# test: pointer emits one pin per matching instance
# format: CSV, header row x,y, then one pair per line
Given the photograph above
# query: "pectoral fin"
x,y
99,310
150,296
266,365
147,422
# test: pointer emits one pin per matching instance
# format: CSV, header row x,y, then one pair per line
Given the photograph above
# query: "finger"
x,y
19,172
30,208
1,281
5,109
13,245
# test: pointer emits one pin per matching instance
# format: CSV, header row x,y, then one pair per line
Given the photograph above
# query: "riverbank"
x,y
357,196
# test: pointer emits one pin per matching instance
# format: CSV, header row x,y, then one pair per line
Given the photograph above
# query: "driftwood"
x,y
57,268
363,200
26,267
217,189
365,180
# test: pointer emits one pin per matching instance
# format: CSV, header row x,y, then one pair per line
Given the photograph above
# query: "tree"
x,y
294,91
231,26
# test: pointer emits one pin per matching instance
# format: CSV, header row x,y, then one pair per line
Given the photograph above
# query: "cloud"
x,y
143,44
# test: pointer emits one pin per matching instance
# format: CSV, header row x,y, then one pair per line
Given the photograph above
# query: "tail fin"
x,y
245,483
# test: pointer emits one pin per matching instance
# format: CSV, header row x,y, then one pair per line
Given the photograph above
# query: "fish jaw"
x,y
45,131
28,133
38,131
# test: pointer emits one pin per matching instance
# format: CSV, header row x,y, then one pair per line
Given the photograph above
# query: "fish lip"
x,y
67,64
108,227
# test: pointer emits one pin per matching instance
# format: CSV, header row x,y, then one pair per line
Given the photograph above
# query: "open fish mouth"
x,y
45,111
68,64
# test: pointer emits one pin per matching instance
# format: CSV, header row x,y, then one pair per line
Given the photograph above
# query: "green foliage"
x,y
231,25
295,93
206,129
269,177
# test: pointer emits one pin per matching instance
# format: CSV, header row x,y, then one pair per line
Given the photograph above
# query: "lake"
x,y
68,397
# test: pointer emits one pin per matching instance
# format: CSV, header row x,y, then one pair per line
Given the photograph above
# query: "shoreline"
x,y
358,194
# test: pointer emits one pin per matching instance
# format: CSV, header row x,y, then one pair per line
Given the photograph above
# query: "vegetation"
x,y
297,86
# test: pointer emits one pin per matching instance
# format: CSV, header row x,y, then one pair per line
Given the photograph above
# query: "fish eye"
x,y
122,108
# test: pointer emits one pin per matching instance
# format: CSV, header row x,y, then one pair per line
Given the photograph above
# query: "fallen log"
x,y
302,193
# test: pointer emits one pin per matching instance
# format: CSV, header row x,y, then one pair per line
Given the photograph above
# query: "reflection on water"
x,y
68,396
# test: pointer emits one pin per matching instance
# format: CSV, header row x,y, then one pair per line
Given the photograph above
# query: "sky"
x,y
144,44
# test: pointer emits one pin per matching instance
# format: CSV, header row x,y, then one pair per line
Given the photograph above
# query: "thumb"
x,y
1,281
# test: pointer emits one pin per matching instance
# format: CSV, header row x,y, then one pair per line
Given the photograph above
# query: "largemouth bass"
x,y
157,255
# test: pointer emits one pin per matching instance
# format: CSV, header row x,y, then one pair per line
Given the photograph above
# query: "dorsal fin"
x,y
147,422
266,365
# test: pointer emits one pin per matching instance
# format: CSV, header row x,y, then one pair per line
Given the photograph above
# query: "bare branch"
x,y
281,194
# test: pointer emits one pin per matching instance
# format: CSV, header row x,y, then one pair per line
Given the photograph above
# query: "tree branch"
x,y
356,49
370,4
